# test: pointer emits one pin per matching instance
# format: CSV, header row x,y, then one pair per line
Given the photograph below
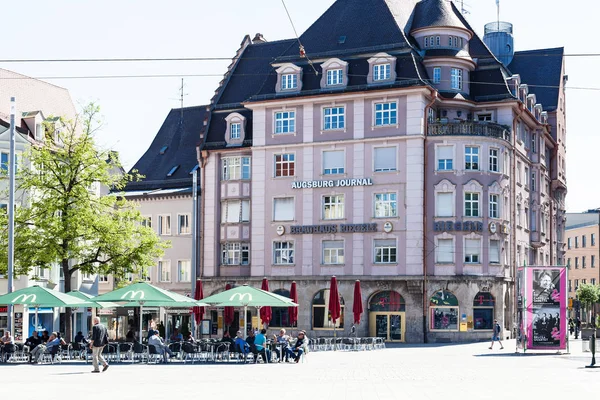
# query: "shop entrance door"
x,y
387,325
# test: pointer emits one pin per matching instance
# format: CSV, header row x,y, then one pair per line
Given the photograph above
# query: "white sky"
x,y
134,108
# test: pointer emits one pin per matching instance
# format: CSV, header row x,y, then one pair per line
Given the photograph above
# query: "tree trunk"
x,y
68,311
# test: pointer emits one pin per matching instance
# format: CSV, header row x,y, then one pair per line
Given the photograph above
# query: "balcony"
x,y
469,128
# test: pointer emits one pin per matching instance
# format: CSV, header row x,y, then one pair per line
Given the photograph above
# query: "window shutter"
x,y
445,251
284,209
233,211
472,246
245,211
444,152
444,205
385,159
494,251
333,159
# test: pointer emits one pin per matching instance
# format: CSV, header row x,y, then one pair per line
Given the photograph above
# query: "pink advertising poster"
x,y
546,308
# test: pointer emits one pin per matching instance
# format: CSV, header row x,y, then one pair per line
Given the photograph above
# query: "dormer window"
x,y
335,77
335,74
382,68
173,170
236,129
289,81
163,150
289,78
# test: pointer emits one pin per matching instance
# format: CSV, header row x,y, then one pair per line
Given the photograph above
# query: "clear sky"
x,y
134,108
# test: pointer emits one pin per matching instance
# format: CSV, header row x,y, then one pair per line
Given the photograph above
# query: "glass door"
x,y
395,328
387,325
381,324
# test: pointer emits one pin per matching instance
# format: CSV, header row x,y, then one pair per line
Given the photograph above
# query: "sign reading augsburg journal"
x,y
332,183
546,300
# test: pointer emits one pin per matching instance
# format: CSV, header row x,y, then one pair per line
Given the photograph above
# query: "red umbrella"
x,y
293,311
228,312
357,307
335,308
198,295
265,312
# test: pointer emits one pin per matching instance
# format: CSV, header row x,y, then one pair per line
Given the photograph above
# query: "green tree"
x,y
588,295
65,222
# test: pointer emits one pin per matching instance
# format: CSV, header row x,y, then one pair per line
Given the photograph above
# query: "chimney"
x,y
259,38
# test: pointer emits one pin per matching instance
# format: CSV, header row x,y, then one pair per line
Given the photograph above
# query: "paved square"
x,y
410,372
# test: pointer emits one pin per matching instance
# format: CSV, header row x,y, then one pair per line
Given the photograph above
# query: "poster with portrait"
x,y
546,308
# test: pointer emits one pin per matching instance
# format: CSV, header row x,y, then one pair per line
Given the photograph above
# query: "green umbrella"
x,y
88,297
176,304
142,294
37,296
247,296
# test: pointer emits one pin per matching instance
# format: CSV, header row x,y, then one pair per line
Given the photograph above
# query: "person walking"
x,y
99,340
496,335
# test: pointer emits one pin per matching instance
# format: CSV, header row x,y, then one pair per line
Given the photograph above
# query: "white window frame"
x,y
164,270
335,77
289,81
472,158
236,168
437,74
474,258
394,168
335,202
386,251
332,255
147,221
497,248
382,72
494,205
235,131
336,170
284,122
385,205
188,229
276,201
181,277
445,161
386,112
235,253
451,256
456,78
243,214
437,203
334,121
286,161
284,249
166,230
493,159
102,278
469,199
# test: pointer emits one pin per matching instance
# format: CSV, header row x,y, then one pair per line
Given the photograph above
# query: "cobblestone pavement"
x,y
409,372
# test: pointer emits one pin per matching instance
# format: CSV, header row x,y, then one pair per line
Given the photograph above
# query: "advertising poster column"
x,y
521,309
546,308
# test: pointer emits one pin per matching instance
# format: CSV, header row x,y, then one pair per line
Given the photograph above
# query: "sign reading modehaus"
x,y
332,183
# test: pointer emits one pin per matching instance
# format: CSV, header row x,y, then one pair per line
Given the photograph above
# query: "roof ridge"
x,y
540,50
36,79
188,107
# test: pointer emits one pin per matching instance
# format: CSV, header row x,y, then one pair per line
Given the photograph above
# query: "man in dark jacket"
x,y
99,340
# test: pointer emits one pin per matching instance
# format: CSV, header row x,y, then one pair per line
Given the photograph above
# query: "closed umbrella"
x,y
335,308
265,312
357,307
228,311
198,295
293,311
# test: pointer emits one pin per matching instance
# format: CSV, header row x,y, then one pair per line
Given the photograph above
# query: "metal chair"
x,y
140,351
52,356
153,355
176,350
125,352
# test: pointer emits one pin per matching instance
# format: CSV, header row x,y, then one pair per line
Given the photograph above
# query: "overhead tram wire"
x,y
301,49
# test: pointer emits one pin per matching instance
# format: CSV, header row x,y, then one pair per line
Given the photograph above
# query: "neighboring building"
x,y
393,148
583,251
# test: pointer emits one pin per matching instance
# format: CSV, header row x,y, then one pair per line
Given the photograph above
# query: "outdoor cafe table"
x,y
282,348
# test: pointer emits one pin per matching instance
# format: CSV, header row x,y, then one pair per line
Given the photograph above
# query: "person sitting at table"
x,y
260,343
32,342
190,338
45,336
130,336
79,338
53,341
160,346
282,340
299,347
241,346
176,336
7,338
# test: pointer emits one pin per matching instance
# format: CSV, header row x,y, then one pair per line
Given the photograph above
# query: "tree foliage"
x,y
64,221
588,294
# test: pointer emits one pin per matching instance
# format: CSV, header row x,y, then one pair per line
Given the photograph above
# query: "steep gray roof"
x,y
436,13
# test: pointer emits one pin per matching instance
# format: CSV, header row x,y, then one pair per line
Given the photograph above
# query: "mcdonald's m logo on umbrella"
x,y
25,298
241,296
133,295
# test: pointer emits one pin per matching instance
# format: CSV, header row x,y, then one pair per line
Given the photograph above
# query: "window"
x,y
333,252
449,40
333,162
443,306
285,164
484,117
437,74
335,77
437,40
184,271
333,207
456,78
472,158
427,41
576,262
386,205
183,224
483,311
320,311
285,122
388,301
519,215
235,253
526,176
569,243
445,158
385,251
164,224
583,262
444,204
570,287
584,281
4,162
576,284
494,251
494,160
283,209
472,251
280,316
533,178
283,253
381,72
333,118
471,204
103,278
235,130
147,221
235,211
164,271
526,217
519,169
593,240
533,143
593,261
235,168
289,81
583,241
385,159
145,275
386,114
494,211
576,242
444,252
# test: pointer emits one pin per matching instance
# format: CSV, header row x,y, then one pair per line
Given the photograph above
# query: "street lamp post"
x,y
12,168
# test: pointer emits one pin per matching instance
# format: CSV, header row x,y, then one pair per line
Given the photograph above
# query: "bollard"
x,y
593,350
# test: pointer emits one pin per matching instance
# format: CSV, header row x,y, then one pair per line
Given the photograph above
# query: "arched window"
x,y
443,311
483,311
280,316
320,309
388,301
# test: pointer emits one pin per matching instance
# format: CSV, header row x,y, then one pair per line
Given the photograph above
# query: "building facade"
x,y
583,251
